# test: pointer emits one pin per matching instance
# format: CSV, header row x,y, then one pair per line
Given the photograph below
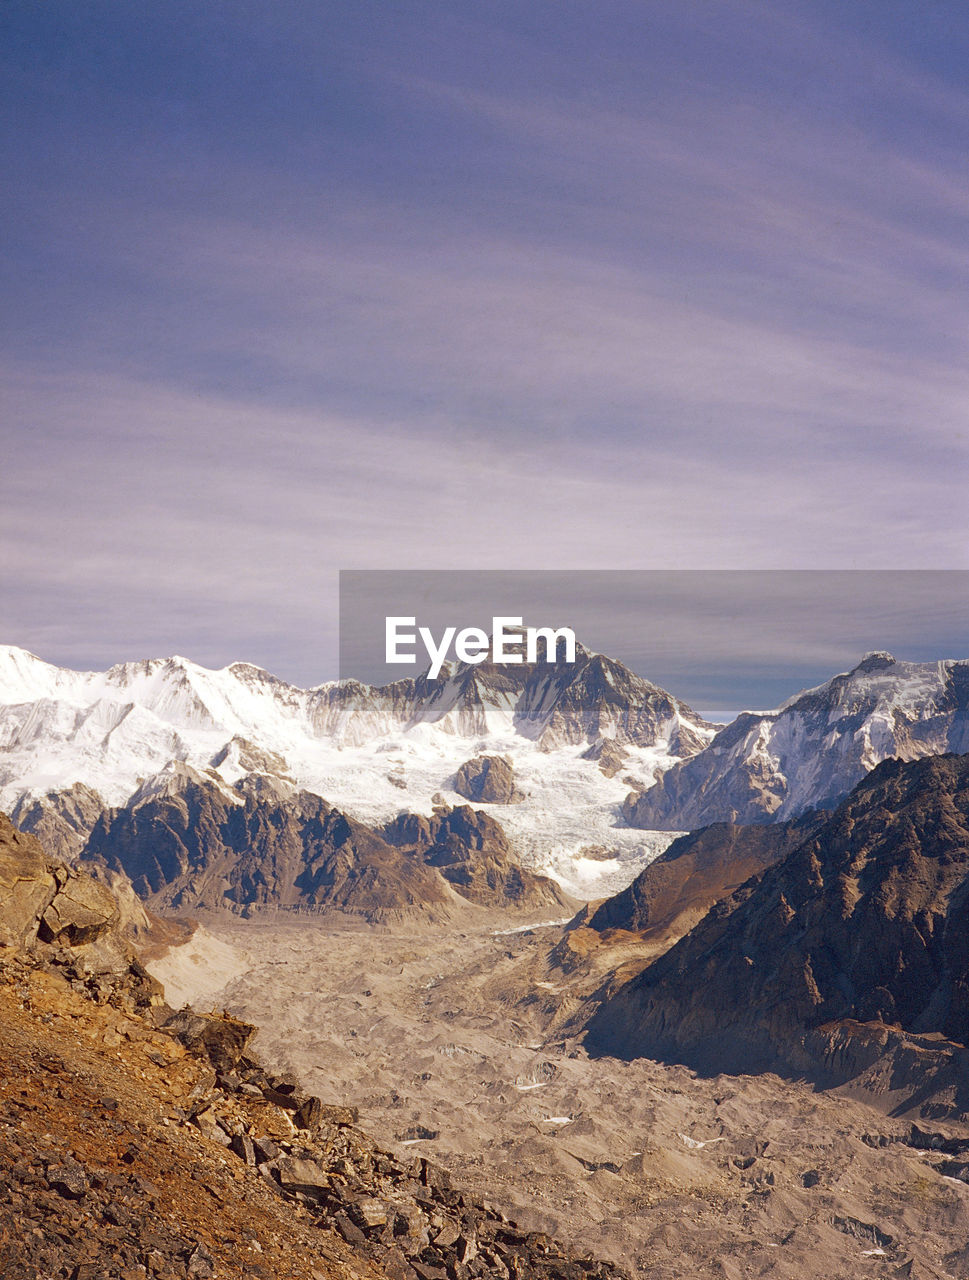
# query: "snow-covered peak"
x,y
24,677
152,727
816,746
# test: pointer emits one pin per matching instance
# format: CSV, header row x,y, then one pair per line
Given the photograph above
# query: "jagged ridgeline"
x,y
556,747
234,788
198,843
851,951
770,766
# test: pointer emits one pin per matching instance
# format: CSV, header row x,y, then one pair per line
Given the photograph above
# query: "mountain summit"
x,y
773,765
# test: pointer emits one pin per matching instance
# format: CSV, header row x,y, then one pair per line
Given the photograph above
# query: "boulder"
x,y
81,911
27,886
219,1038
488,780
304,1176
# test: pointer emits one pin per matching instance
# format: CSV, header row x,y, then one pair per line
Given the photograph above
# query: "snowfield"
x,y
370,752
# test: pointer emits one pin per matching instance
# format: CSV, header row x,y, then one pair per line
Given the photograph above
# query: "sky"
x,y
299,287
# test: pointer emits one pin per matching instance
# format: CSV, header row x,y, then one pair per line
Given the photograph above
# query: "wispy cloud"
x,y
677,288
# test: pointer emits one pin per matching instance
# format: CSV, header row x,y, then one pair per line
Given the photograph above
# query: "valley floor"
x,y
452,1046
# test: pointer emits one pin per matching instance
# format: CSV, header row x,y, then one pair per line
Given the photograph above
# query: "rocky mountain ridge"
x,y
554,750
808,754
73,744
676,891
197,843
847,955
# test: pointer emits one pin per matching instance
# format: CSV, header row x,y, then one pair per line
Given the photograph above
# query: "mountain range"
x,y
589,768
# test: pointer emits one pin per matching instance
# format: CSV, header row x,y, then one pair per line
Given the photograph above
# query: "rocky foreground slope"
x,y
850,954
135,1142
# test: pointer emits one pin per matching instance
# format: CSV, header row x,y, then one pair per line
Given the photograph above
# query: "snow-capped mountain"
x,y
371,751
769,766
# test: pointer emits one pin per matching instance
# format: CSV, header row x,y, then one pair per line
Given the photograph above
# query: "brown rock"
x,y
305,1176
369,1212
487,780
81,911
221,1039
27,885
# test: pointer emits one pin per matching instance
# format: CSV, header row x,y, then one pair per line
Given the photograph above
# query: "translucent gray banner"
x,y
724,640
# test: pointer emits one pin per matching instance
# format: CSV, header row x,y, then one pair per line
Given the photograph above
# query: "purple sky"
x,y
299,287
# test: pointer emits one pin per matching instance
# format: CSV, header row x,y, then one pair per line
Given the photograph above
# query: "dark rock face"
x,y
609,754
200,846
470,850
865,922
771,766
61,820
673,893
487,780
222,1040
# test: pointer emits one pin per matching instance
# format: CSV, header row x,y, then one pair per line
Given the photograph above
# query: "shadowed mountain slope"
x,y
866,921
197,843
675,891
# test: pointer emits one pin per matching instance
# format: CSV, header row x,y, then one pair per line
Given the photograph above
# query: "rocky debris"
x,y
609,754
488,780
404,1215
402,1218
808,754
849,955
222,1040
470,850
76,1198
679,887
101,1173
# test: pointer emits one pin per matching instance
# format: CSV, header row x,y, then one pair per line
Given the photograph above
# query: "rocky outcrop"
x,y
50,908
27,886
770,766
676,891
195,842
61,820
610,756
865,922
202,844
470,850
487,780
